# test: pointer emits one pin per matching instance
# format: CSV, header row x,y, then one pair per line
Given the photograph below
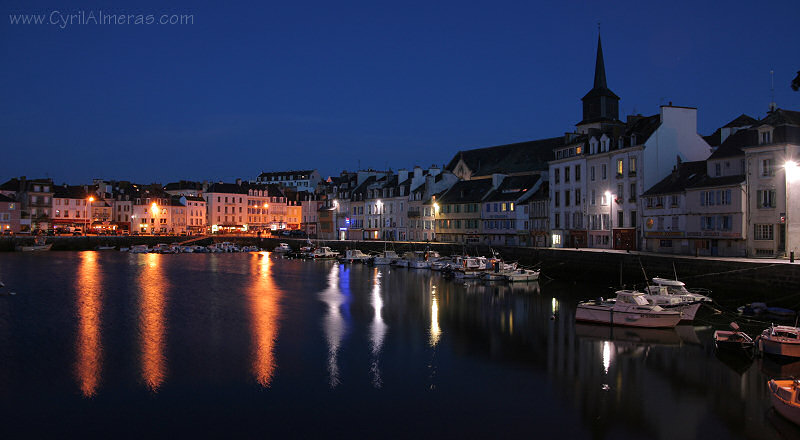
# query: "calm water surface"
x,y
251,345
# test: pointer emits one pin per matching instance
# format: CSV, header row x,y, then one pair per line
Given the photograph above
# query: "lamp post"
x,y
87,210
433,229
153,212
791,169
336,219
610,217
380,218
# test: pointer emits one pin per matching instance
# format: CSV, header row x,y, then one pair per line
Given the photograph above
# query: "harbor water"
x,y
104,344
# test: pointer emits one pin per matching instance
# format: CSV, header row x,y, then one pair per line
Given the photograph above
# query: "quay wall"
x,y
760,279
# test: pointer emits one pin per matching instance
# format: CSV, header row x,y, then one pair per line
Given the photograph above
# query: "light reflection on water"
x,y
512,352
264,298
153,288
377,329
334,322
89,305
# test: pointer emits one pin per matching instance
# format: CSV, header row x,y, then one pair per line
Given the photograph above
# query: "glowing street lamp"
x,y
153,212
610,217
86,209
792,173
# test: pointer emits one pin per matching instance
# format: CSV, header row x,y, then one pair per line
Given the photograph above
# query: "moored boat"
x,y
37,246
783,393
779,340
735,340
629,308
385,257
282,248
139,249
522,275
353,256
324,253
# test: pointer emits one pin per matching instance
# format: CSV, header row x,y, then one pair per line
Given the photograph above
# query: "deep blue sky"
x,y
288,85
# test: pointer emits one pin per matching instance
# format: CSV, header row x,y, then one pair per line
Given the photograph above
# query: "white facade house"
x,y
302,180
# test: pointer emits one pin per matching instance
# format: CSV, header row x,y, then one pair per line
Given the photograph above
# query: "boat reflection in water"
x,y
89,305
153,286
264,303
334,323
377,330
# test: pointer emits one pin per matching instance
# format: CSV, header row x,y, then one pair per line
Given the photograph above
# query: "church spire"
x,y
600,105
599,67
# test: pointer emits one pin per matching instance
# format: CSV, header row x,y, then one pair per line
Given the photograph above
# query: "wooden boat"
x,y
324,253
630,308
282,248
385,257
353,256
735,340
522,275
38,245
780,340
785,398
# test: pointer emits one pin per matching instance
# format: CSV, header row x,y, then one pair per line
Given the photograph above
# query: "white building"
x,y
303,180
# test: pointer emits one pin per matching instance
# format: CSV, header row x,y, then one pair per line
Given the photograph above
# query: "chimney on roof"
x,y
239,182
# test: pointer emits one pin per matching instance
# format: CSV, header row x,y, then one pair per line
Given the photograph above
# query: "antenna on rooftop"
x,y
772,105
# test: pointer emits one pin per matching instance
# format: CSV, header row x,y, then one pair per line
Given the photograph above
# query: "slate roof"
x,y
183,184
781,117
732,146
512,188
10,185
6,199
543,193
741,121
687,173
510,158
71,192
295,175
467,191
708,181
228,188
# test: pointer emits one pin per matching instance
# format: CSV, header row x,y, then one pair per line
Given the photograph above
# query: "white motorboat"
x,y
673,295
282,248
38,245
139,249
324,253
663,286
385,257
522,275
783,393
105,248
630,308
441,263
780,340
353,256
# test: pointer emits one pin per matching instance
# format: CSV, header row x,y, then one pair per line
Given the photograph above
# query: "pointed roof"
x,y
599,67
600,87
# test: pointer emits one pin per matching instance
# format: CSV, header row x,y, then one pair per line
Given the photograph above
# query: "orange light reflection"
x,y
152,328
89,305
264,297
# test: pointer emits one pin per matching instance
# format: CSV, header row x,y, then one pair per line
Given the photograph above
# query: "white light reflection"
x,y
377,329
436,332
334,324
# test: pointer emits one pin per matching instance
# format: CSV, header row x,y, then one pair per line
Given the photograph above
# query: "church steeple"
x,y
599,67
600,104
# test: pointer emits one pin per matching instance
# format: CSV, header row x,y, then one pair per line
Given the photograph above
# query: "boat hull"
x,y
35,248
778,348
780,394
689,310
605,315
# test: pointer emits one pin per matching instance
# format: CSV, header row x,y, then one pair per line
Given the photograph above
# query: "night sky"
x,y
293,85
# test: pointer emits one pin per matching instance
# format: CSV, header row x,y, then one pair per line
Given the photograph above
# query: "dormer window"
x,y
633,139
620,143
765,136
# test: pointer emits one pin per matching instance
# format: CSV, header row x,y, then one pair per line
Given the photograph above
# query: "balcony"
x,y
631,173
620,175
413,214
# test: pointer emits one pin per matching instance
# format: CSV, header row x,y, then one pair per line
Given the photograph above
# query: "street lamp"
x,y
435,211
379,204
86,208
336,219
610,217
153,212
792,173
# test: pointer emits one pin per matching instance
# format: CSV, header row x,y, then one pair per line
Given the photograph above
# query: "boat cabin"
x,y
671,287
631,297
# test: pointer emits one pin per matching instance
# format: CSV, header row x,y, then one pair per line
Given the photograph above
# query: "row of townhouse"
x,y
741,201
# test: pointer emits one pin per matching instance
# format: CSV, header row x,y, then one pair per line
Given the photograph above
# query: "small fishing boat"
x,y
385,257
353,256
779,340
324,253
139,249
522,275
629,308
105,248
38,245
282,248
785,398
735,340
